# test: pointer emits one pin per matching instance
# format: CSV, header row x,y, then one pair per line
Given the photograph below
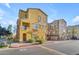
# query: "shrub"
x,y
30,40
2,45
40,41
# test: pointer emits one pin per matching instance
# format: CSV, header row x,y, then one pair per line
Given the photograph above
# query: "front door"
x,y
24,37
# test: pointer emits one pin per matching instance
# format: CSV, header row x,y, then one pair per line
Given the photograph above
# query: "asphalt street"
x,y
69,47
34,50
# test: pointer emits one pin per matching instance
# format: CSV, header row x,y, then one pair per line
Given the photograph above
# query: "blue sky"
x,y
69,12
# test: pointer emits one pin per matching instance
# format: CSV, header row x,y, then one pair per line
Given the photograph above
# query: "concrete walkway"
x,y
18,45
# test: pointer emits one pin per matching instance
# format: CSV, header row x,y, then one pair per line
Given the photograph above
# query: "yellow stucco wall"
x,y
32,18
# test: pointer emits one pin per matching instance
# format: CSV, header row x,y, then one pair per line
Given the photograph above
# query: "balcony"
x,y
25,26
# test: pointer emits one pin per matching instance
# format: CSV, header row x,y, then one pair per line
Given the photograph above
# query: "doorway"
x,y
24,37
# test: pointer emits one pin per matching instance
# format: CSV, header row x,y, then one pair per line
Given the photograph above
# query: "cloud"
x,y
6,19
53,15
75,20
1,17
7,22
2,13
13,22
50,20
8,5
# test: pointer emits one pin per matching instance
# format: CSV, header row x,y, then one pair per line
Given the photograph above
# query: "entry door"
x,y
24,37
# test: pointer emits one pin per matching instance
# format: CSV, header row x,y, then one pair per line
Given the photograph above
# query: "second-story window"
x,y
35,26
39,18
24,27
23,18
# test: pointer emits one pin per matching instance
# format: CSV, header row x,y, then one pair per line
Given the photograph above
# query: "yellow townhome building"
x,y
31,23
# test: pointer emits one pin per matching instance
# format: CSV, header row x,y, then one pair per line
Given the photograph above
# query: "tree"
x,y
9,28
4,31
14,29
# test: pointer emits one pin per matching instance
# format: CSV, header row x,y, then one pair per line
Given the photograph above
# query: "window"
x,y
31,16
24,17
24,27
39,18
44,27
35,26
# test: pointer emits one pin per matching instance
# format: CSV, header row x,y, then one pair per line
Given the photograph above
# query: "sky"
x,y
67,11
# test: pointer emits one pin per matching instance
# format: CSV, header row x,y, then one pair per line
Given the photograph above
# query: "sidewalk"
x,y
18,45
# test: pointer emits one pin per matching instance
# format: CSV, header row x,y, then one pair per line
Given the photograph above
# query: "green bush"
x,y
2,45
30,40
40,41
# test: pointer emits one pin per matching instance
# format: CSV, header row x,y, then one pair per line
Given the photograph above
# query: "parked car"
x,y
3,42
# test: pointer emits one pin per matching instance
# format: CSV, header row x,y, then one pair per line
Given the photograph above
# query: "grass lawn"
x,y
3,46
